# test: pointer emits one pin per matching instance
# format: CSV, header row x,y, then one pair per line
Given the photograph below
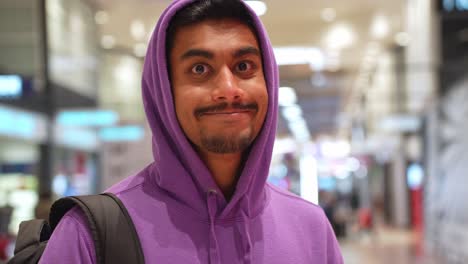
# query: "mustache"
x,y
223,106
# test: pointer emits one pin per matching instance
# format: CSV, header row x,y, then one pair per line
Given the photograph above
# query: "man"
x,y
210,91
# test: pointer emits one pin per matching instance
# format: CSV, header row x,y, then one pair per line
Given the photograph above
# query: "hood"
x,y
177,168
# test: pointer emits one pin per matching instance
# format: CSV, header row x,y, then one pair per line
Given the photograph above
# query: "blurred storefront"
x,y
445,210
18,183
49,62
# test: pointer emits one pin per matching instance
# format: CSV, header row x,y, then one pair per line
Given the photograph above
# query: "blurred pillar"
x,y
421,55
422,60
431,182
46,161
400,193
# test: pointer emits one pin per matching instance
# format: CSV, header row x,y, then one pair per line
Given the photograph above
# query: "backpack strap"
x,y
31,241
112,229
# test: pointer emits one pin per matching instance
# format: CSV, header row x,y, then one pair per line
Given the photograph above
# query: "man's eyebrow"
x,y
246,51
197,53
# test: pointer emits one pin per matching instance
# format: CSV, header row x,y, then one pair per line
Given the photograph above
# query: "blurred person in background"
x,y
328,203
210,92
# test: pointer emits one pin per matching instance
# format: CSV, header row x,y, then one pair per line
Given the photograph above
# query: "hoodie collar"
x,y
178,169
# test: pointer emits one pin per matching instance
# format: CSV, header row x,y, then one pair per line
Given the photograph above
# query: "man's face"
x,y
218,85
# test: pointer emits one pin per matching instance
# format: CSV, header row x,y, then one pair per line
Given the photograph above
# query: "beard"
x,y
226,143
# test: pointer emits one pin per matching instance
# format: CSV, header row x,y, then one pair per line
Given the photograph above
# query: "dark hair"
x,y
203,10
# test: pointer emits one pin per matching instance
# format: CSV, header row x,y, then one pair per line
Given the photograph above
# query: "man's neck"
x,y
225,169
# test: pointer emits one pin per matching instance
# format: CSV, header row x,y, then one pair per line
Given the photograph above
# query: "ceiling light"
x,y
125,72
258,7
402,39
137,29
380,27
335,149
328,14
300,55
340,36
107,41
101,17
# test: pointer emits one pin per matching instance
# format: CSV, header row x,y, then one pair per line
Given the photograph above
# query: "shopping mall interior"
x,y
371,114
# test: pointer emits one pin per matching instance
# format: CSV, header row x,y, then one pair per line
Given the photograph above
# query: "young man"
x,y
210,91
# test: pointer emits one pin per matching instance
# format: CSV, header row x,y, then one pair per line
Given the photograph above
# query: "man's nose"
x,y
226,86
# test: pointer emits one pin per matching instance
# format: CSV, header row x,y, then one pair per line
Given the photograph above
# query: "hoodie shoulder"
x,y
298,211
130,183
71,241
306,219
284,198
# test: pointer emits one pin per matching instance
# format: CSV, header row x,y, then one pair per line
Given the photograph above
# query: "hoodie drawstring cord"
x,y
213,246
246,232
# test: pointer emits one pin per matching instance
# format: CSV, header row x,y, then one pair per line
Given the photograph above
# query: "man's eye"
x,y
199,69
244,66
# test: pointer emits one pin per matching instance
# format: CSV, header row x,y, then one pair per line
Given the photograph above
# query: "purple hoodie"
x,y
180,214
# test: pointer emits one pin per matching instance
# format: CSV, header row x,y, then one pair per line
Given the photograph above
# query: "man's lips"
x,y
227,116
227,112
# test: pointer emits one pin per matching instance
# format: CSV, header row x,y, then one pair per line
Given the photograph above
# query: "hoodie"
x,y
181,215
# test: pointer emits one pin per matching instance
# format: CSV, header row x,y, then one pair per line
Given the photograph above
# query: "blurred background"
x,y
373,110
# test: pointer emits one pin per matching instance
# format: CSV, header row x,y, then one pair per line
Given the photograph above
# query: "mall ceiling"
x,y
343,33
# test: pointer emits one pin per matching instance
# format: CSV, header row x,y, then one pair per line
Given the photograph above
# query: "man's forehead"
x,y
210,37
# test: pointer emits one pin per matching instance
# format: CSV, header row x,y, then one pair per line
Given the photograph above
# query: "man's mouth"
x,y
227,112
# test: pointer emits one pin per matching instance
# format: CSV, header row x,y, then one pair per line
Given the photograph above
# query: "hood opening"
x,y
178,168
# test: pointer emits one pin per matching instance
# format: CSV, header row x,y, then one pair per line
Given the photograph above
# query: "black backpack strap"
x,y
113,232
31,241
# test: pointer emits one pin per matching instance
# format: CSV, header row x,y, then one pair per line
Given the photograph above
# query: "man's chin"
x,y
226,144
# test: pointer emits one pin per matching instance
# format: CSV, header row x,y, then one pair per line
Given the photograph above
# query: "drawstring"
x,y
246,231
214,248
